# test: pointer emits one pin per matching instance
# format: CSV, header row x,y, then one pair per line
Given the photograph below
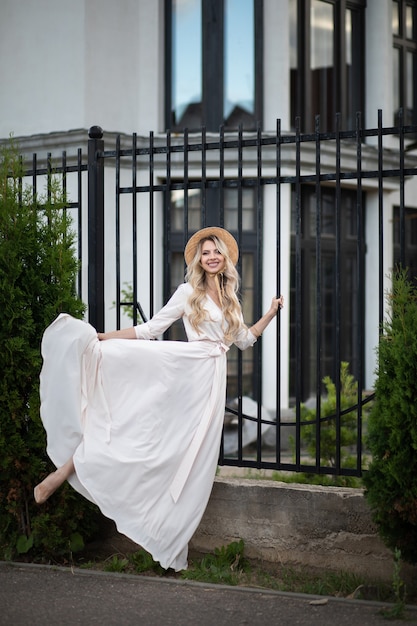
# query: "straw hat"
x,y
206,233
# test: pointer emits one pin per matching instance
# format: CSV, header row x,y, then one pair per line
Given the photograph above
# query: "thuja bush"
x,y
390,482
328,429
38,270
333,436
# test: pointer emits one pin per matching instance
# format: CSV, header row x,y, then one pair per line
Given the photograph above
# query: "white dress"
x,y
141,419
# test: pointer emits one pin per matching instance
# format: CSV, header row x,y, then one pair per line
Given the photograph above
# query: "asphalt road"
x,y
41,596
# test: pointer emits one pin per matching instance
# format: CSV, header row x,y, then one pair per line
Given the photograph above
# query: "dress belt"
x,y
183,472
92,391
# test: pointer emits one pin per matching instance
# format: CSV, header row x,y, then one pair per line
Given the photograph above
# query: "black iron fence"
x,y
304,196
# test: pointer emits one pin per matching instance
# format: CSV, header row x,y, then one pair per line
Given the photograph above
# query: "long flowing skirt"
x,y
142,421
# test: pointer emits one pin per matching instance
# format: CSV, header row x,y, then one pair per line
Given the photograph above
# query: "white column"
x,y
372,276
276,60
379,63
271,267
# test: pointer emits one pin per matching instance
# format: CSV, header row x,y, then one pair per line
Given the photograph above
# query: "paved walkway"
x,y
35,595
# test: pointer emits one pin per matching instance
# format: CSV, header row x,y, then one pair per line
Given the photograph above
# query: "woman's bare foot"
x,y
47,487
50,484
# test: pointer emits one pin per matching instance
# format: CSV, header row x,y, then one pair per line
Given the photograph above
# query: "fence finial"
x,y
95,132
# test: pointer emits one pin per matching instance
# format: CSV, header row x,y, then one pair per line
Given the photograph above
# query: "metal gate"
x,y
131,194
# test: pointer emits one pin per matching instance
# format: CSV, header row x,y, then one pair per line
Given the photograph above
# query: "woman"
x,y
141,430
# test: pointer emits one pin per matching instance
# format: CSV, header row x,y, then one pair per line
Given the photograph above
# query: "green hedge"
x,y
38,270
391,482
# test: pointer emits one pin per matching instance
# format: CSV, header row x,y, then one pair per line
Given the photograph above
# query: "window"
x,y
214,54
409,260
326,60
188,207
404,28
325,288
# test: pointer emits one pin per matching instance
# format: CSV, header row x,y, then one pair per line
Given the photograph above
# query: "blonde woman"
x,y
141,428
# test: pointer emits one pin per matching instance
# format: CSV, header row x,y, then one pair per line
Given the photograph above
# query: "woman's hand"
x,y
277,304
125,333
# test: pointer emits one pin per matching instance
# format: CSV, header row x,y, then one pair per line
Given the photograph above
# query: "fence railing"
x,y
309,175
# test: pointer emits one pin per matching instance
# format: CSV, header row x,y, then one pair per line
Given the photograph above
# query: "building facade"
x,y
137,66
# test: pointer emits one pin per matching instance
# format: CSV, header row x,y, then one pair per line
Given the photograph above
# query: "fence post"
x,y
96,228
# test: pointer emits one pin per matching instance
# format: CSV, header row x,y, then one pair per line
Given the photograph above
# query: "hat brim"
x,y
210,231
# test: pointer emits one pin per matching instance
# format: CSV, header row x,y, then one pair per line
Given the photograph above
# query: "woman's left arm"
x,y
258,328
159,323
124,333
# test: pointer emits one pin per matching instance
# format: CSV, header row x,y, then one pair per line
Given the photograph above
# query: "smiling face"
x,y
212,261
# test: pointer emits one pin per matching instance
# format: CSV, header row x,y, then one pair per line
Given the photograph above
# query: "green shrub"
x,y
391,485
225,566
38,270
330,435
116,564
142,561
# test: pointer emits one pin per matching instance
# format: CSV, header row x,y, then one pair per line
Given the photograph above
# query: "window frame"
x,y
249,245
404,45
301,107
409,235
349,325
213,65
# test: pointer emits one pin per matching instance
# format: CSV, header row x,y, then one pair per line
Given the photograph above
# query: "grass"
x,y
229,566
326,480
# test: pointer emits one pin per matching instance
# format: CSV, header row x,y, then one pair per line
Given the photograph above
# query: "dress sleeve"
x,y
244,338
161,321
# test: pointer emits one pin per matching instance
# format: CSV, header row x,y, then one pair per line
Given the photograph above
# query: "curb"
x,y
193,583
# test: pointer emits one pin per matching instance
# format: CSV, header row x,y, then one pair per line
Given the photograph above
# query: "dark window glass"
x,y
320,297
237,207
232,210
396,58
395,18
404,59
322,61
326,61
409,21
410,241
349,55
411,72
178,204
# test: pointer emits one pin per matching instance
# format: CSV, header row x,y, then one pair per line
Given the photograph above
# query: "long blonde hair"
x,y
228,284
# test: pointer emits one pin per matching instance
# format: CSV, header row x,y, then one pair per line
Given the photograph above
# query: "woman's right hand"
x,y
125,333
277,304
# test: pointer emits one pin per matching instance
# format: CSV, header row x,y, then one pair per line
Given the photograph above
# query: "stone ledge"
x,y
286,525
297,525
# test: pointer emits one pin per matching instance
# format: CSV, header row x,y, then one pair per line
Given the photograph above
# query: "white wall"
x,y
67,65
111,63
42,66
151,75
70,65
